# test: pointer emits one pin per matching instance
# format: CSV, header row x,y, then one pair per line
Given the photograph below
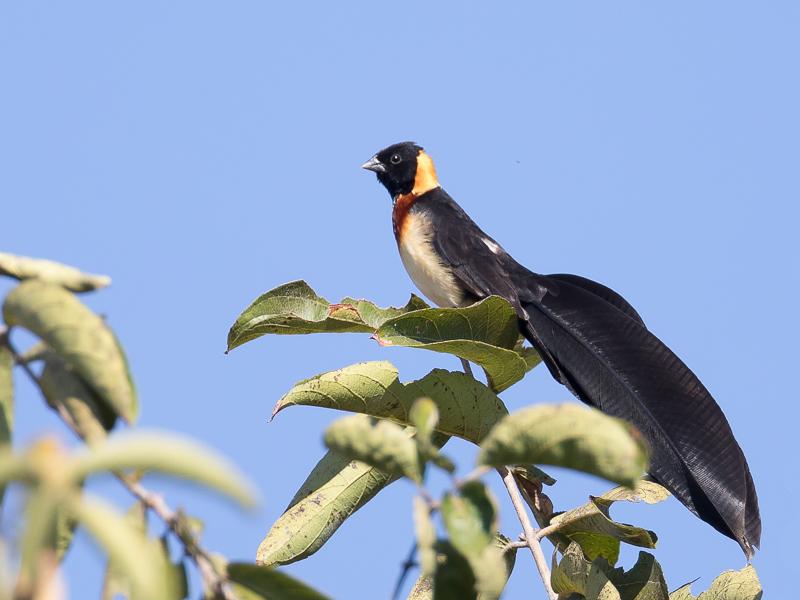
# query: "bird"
x,y
589,337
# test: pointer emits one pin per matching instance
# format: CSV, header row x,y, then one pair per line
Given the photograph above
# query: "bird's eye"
x,y
395,159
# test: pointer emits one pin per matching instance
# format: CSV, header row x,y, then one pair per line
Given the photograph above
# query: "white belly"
x,y
423,265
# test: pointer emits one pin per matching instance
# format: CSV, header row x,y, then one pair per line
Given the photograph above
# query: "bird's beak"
x,y
373,164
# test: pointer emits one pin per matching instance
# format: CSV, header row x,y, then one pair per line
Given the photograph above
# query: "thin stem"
x,y
549,530
515,545
467,367
531,541
213,580
407,565
530,533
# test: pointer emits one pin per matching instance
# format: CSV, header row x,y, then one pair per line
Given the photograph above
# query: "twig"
x,y
473,475
549,530
531,541
213,580
407,565
515,545
530,533
467,367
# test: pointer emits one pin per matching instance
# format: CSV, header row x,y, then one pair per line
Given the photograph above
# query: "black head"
x,y
396,167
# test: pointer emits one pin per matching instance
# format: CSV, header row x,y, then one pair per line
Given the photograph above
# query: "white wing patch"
x,y
493,246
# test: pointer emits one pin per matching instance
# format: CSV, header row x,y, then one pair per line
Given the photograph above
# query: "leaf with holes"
x,y
294,308
485,333
467,408
335,489
79,336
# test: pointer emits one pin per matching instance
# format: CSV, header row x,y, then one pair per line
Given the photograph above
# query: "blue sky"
x,y
201,153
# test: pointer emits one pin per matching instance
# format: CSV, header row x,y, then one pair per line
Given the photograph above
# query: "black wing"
x,y
615,364
601,291
481,264
596,344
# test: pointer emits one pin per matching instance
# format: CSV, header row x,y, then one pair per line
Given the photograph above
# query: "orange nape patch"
x,y
425,178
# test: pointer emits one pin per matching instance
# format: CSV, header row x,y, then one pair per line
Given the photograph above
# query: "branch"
x,y
213,580
407,565
531,541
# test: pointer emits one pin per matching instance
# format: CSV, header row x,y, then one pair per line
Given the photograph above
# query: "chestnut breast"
x,y
414,234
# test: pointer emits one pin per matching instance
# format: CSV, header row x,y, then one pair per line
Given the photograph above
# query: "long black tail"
x,y
598,346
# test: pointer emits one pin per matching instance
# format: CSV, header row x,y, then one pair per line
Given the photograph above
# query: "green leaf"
x,y
467,408
730,585
569,575
509,558
6,400
645,581
6,393
335,489
115,582
470,518
592,528
599,587
485,333
270,584
168,454
425,532
528,354
79,336
39,524
13,466
64,532
491,573
23,267
471,521
63,387
424,417
126,546
423,588
378,443
176,583
533,474
454,579
576,575
567,436
294,308
375,316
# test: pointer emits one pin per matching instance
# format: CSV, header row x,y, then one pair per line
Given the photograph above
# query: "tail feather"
x,y
611,361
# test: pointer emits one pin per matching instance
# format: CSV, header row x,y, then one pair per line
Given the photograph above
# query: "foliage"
x,y
81,370
371,449
398,431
